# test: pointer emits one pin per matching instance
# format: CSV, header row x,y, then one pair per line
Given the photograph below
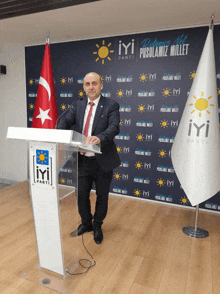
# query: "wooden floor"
x,y
143,252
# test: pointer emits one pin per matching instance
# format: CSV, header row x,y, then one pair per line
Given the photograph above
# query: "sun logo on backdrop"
x,y
166,92
162,153
31,106
119,149
140,137
138,165
160,182
63,107
201,104
117,176
143,77
41,157
62,181
218,91
103,52
121,122
184,200
120,93
192,75
137,192
81,93
141,108
31,82
164,124
63,81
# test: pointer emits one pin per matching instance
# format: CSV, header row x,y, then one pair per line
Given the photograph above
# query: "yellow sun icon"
x,y
42,157
121,122
201,104
143,77
62,181
138,165
140,137
166,92
102,78
103,52
184,200
137,192
192,75
31,106
63,81
164,124
160,182
31,82
117,176
119,149
141,108
63,107
81,93
218,91
120,93
162,153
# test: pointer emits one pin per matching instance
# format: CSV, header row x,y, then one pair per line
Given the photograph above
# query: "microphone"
x,y
63,114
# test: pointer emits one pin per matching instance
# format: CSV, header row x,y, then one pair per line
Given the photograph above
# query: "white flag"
x,y
195,152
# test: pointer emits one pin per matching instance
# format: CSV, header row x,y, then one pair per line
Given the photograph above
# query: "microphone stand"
x,y
56,125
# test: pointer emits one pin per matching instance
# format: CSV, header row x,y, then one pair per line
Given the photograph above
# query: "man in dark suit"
x,y
98,119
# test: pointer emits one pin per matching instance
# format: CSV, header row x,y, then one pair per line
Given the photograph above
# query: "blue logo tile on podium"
x,y
42,157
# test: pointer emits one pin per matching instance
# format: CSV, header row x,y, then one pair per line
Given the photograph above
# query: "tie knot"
x,y
91,103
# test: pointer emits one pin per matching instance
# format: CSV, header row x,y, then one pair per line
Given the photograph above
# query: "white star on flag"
x,y
44,115
195,152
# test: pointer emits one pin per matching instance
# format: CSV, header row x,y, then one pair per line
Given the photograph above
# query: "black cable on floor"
x,y
91,263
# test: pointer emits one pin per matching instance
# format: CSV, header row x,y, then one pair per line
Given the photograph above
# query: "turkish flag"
x,y
46,112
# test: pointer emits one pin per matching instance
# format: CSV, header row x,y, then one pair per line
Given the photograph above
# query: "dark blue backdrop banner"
x,y
150,75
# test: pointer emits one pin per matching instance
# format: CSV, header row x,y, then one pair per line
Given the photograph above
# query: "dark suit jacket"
x,y
105,127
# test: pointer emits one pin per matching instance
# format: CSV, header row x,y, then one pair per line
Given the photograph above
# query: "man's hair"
x,y
101,82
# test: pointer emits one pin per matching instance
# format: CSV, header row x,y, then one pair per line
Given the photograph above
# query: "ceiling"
x,y
103,18
12,8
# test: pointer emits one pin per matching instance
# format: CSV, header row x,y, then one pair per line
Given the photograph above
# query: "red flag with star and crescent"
x,y
46,111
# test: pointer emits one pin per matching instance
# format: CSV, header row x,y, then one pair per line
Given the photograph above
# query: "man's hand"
x,y
92,140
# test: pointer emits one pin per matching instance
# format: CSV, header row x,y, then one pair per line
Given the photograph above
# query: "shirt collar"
x,y
96,101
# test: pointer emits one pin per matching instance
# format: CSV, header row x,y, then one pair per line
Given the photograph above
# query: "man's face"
x,y
92,86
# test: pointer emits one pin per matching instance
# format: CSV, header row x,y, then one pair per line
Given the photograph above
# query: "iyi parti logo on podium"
x,y
43,167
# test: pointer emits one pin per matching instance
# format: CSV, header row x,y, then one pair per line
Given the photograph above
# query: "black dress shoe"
x,y
81,230
98,236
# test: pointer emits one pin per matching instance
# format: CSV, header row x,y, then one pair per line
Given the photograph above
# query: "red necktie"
x,y
85,133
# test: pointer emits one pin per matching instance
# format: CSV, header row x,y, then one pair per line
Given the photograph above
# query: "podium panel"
x,y
45,204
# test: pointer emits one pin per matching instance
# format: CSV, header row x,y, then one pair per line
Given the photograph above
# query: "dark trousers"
x,y
89,172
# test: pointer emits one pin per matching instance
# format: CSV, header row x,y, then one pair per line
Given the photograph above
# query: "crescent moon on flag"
x,y
45,84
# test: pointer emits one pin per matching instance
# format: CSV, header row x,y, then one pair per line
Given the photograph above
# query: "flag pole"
x,y
48,38
195,231
212,21
197,213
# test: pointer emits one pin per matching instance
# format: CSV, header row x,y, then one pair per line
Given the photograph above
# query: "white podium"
x,y
53,153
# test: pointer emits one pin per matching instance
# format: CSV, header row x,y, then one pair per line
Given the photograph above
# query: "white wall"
x,y
13,154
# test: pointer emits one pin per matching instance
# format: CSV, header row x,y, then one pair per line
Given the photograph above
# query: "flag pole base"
x,y
195,232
